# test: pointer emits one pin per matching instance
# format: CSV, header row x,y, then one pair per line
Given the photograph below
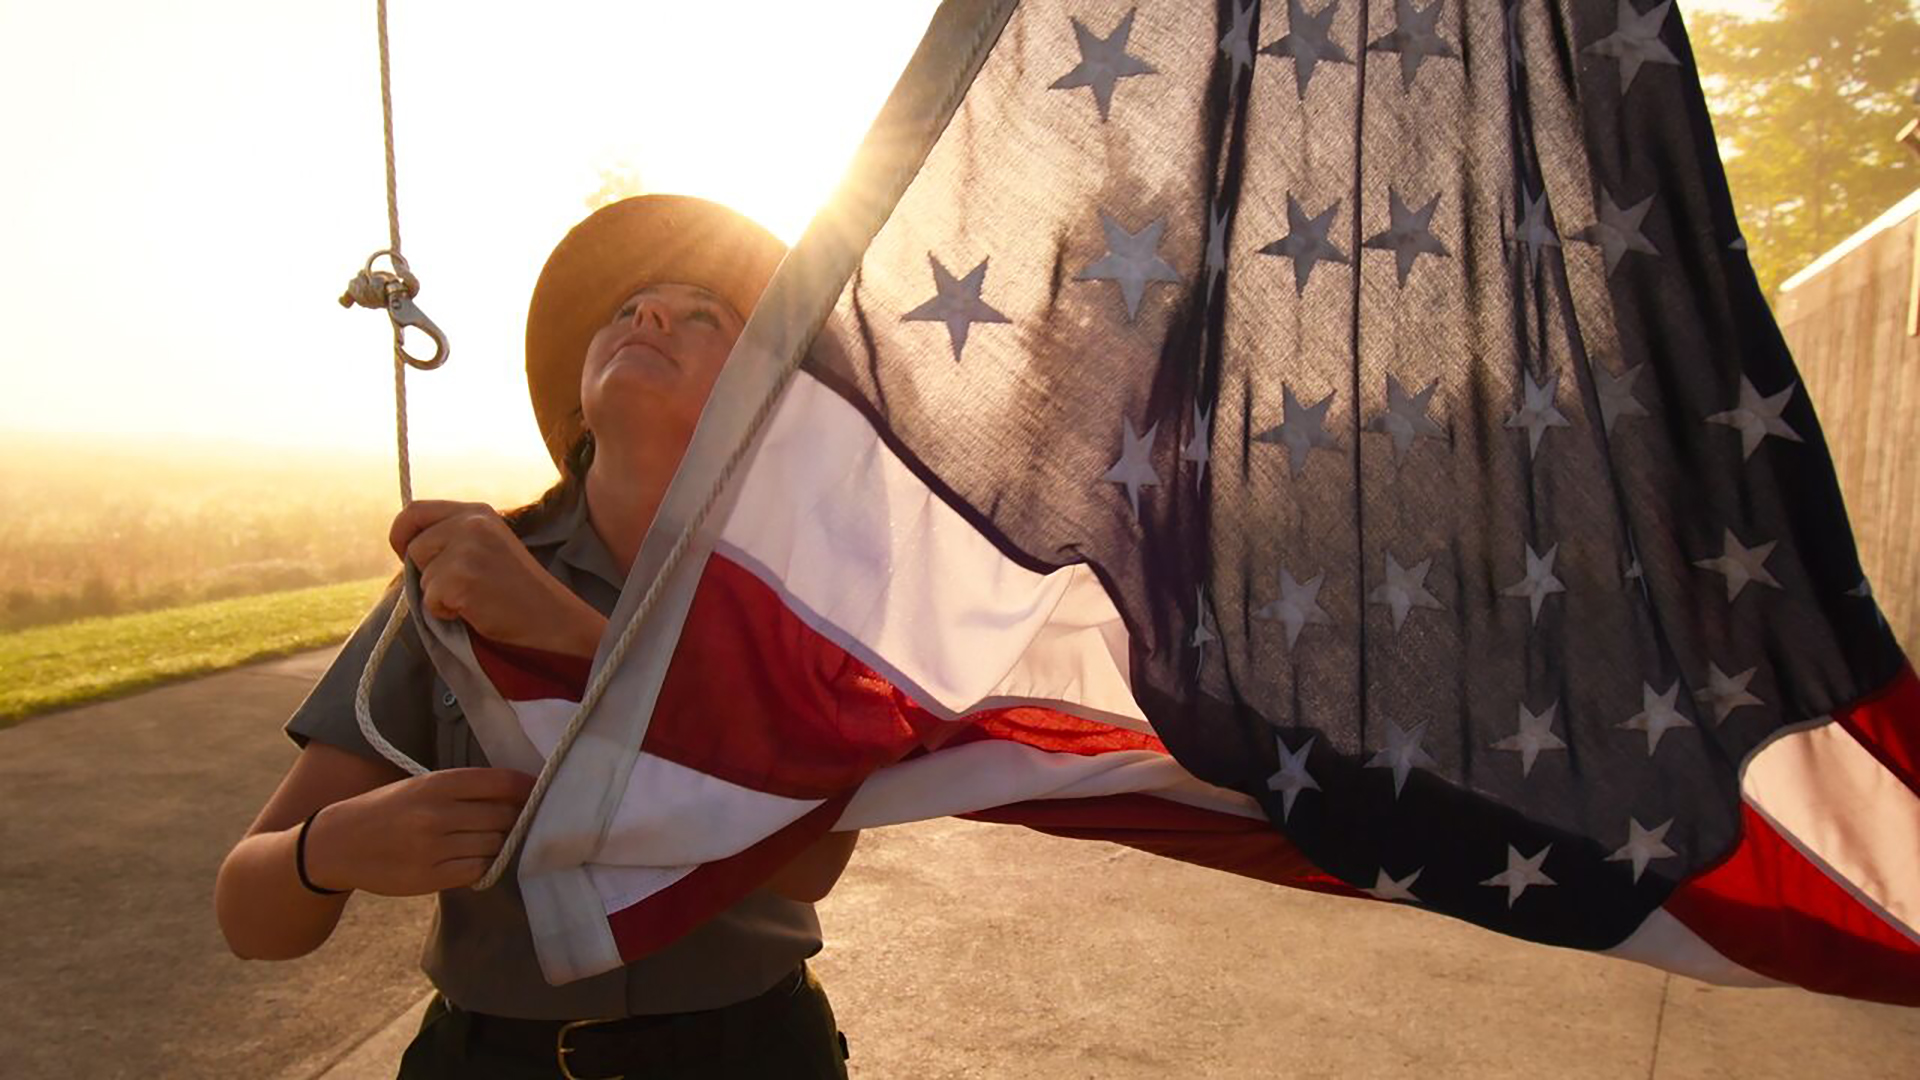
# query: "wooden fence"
x,y
1845,318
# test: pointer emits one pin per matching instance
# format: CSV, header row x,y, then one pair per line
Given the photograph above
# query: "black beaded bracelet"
x,y
300,858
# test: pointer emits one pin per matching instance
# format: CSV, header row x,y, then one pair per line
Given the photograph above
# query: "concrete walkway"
x,y
954,949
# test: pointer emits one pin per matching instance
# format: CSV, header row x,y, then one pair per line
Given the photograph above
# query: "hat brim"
x,y
618,249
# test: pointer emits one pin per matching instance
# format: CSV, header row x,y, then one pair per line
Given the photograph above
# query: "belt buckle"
x,y
561,1049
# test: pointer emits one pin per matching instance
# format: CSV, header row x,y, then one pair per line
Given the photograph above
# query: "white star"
x,y
1657,716
1636,41
1132,260
1298,606
1103,62
1403,752
1307,41
1539,582
1516,56
1535,734
1864,591
1644,845
1198,446
1409,233
1741,564
956,302
1216,246
1414,37
1521,873
1306,243
1203,630
1537,412
1404,590
1134,470
1385,887
1292,777
1616,394
1725,693
1618,231
1757,417
1301,429
1536,233
1406,417
1238,43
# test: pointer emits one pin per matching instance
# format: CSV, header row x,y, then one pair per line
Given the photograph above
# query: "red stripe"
x,y
1770,910
522,673
1888,725
1173,830
1054,732
756,697
711,888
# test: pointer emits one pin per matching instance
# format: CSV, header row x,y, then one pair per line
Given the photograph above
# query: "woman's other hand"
x,y
418,835
473,567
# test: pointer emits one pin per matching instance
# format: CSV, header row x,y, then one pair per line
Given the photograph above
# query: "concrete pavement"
x,y
113,821
954,949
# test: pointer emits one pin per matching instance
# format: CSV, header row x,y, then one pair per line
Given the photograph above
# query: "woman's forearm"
x,y
264,911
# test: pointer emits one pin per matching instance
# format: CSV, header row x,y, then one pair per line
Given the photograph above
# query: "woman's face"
x,y
656,359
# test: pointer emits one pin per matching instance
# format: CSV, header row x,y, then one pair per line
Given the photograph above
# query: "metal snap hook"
x,y
394,290
404,313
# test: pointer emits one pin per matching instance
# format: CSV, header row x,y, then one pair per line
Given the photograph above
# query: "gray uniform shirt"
x,y
479,951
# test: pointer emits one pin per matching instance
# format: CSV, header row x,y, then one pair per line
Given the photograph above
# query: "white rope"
x,y
362,712
393,246
902,173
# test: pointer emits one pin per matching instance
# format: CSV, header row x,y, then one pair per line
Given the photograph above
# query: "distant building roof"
x,y
1899,212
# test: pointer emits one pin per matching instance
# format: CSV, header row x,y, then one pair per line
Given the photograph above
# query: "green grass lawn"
x,y
55,667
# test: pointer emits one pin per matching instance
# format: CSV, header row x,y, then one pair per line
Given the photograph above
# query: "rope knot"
x,y
372,288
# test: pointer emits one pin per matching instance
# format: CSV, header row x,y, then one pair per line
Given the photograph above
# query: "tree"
x,y
617,181
1806,105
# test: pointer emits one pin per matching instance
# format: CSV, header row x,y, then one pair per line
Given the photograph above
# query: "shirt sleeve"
x,y
401,701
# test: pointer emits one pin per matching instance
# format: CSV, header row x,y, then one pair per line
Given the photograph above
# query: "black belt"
x,y
594,1049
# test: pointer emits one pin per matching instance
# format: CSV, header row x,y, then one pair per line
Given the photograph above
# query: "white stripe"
x,y
621,887
669,815
1834,802
1663,941
864,552
983,775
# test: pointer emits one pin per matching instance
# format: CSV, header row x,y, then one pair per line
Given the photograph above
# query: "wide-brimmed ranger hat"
x,y
621,248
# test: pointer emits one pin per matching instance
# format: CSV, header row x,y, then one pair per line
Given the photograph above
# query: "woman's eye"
x,y
706,315
624,313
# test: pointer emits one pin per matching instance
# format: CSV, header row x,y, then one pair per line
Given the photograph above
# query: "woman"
x,y
632,318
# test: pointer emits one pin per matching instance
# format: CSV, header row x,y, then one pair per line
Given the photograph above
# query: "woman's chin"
x,y
640,380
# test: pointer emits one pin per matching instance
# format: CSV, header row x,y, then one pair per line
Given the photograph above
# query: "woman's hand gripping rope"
x,y
473,568
418,835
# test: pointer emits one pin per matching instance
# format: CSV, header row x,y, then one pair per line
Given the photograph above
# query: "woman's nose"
x,y
653,312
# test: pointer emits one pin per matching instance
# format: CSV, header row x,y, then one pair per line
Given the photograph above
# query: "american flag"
x,y
1336,441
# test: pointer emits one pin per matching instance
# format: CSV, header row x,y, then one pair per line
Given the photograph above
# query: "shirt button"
x,y
448,699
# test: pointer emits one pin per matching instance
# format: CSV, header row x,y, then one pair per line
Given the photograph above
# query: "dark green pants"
x,y
783,1035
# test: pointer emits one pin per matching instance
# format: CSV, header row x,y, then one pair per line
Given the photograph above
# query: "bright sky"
x,y
189,186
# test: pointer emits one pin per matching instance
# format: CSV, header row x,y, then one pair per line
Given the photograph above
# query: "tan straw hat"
x,y
618,249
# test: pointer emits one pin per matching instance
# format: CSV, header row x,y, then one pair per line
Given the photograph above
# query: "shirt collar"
x,y
580,547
